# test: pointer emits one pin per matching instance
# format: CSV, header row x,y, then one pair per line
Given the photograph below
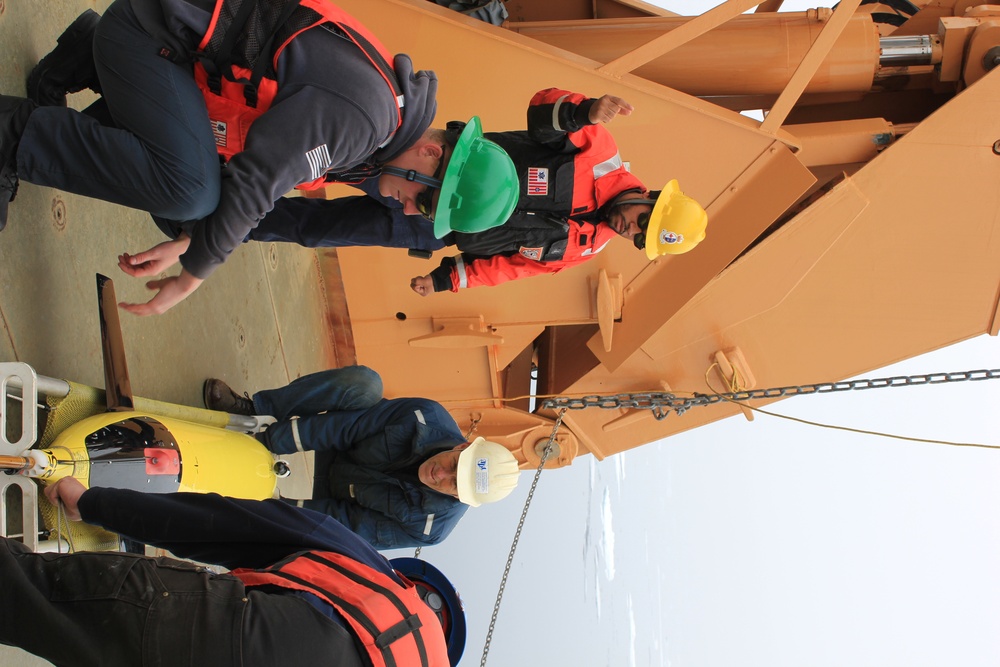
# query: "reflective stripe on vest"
x,y
393,624
234,103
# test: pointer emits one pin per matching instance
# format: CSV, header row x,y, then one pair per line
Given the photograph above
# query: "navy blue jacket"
x,y
372,456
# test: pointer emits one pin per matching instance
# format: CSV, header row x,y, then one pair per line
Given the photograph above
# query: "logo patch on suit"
x,y
538,181
220,130
531,253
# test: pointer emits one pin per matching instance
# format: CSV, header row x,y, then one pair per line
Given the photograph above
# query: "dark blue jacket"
x,y
224,531
372,456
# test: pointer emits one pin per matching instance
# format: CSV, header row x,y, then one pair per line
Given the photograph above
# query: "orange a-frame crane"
x,y
854,226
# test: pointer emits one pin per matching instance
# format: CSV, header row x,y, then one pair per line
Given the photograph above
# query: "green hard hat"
x,y
480,187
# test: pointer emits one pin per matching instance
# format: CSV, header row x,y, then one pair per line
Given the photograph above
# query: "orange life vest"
x,y
236,93
393,624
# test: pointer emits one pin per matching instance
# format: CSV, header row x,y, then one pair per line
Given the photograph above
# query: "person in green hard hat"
x,y
476,177
515,204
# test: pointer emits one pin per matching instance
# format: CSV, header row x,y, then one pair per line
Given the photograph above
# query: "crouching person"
x,y
398,472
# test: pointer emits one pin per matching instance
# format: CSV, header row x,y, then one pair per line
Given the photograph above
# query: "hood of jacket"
x,y
419,106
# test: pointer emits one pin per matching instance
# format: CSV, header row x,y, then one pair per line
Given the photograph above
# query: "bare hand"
x,y
170,291
157,259
66,491
422,285
609,106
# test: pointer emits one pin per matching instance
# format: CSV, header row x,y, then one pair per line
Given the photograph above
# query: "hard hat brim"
x,y
669,190
459,156
420,571
464,477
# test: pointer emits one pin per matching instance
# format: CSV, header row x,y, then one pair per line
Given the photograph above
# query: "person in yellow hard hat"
x,y
398,472
675,224
574,195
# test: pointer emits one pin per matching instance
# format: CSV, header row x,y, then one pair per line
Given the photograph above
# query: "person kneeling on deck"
x,y
398,472
303,591
290,93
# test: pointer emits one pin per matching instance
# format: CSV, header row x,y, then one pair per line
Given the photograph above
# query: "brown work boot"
x,y
218,396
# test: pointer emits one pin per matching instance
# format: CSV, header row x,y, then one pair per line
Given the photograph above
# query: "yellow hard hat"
x,y
487,472
677,223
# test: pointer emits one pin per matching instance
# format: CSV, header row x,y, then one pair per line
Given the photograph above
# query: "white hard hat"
x,y
487,472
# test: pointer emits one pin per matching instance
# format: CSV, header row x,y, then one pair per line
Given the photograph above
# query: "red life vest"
x,y
391,621
237,95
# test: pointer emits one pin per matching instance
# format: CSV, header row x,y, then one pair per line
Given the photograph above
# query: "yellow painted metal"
x,y
810,63
863,231
955,33
667,42
213,460
551,10
842,142
747,55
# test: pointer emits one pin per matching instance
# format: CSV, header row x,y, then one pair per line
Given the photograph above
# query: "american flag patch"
x,y
319,161
538,181
221,133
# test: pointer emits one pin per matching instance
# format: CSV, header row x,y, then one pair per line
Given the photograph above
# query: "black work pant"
x,y
111,609
159,157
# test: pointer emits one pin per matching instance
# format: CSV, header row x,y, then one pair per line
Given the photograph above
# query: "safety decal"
x,y
531,253
482,475
670,238
220,130
319,161
538,181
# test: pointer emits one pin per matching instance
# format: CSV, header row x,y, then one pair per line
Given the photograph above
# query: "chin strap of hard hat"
x,y
413,175
637,197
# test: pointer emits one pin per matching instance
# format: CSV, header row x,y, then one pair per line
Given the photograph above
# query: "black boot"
x,y
14,112
69,68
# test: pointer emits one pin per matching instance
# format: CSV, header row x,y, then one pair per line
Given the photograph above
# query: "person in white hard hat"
x,y
398,472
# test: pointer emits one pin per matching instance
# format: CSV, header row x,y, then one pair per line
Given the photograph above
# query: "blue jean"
x,y
349,388
159,156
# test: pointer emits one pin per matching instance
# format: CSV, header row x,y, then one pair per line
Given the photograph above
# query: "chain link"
x,y
662,404
517,534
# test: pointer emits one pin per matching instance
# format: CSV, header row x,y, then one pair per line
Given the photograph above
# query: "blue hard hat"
x,y
438,594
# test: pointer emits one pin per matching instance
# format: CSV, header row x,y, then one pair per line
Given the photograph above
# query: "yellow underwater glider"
x,y
133,448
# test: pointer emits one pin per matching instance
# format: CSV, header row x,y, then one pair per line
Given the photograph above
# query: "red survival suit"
x,y
393,624
238,81
569,171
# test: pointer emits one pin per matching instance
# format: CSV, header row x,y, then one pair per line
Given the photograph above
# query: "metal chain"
x,y
662,404
517,534
473,425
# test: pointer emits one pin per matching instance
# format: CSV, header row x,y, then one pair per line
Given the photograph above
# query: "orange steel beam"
x,y
749,55
769,6
738,216
671,40
869,269
807,68
653,10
